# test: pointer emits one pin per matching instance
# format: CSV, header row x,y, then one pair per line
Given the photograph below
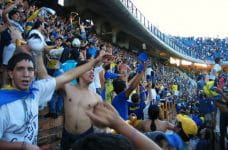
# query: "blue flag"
x,y
8,96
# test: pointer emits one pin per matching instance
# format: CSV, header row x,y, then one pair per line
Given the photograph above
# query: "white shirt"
x,y
145,112
154,94
92,87
19,119
216,68
148,71
97,82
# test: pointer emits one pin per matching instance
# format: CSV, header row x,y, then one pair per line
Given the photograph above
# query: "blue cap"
x,y
92,51
175,140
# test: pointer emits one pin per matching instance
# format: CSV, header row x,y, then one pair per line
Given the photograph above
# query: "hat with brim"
x,y
188,125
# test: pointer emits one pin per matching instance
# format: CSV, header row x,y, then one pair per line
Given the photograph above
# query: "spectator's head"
x,y
119,85
103,47
38,25
14,15
135,98
21,71
159,138
206,133
103,141
59,41
86,77
186,127
153,112
75,54
217,60
153,85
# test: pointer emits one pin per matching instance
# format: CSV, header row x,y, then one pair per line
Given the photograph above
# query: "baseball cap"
x,y
188,125
174,140
156,136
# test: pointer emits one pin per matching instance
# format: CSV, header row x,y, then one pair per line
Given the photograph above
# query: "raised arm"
x,y
76,72
105,115
4,145
135,81
9,8
41,70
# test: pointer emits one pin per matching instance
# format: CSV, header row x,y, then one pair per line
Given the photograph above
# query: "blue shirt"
x,y
66,66
121,105
137,109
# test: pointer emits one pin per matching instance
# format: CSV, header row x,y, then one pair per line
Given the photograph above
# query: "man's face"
x,y
22,75
88,76
16,16
32,8
59,42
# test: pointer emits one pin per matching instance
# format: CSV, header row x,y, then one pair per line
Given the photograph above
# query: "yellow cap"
x,y
188,125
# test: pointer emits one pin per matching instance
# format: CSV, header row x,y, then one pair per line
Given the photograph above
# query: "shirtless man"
x,y
78,100
19,105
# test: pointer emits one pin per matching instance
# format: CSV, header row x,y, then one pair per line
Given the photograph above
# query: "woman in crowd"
x,y
154,123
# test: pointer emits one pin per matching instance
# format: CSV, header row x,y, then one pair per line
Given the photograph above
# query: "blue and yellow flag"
x,y
9,94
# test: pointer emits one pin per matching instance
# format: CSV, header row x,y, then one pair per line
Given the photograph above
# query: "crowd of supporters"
x,y
108,95
203,48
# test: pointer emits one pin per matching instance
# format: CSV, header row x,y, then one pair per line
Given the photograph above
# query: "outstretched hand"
x,y
105,57
104,115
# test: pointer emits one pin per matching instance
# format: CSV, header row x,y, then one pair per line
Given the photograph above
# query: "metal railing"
x,y
154,30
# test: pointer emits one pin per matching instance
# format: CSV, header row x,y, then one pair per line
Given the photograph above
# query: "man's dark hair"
x,y
119,85
103,141
217,60
17,58
37,24
79,64
135,98
153,112
12,12
59,38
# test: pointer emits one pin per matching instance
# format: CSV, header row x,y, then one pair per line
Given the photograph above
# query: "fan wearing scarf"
x,y
20,101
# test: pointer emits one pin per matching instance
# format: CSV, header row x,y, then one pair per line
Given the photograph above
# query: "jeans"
x,y
68,139
56,103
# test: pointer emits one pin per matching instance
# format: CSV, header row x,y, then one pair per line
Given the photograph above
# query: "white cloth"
x,y
36,44
19,119
8,52
57,51
154,94
92,87
148,71
216,68
176,93
145,112
97,82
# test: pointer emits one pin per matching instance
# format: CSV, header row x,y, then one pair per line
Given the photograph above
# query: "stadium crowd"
x,y
203,48
110,97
